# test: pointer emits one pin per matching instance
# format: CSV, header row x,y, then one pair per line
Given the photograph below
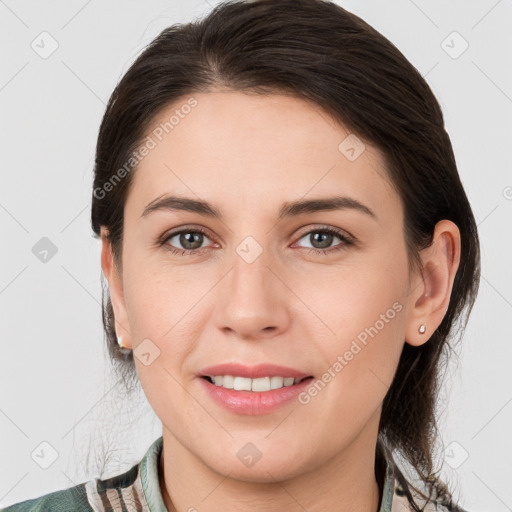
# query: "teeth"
x,y
218,380
260,384
242,384
288,381
276,382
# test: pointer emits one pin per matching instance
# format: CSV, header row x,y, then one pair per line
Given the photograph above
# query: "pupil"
x,y
185,240
325,241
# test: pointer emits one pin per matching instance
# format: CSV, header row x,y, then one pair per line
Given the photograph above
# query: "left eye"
x,y
321,239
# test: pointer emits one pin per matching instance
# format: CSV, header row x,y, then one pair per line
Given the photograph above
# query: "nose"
x,y
253,302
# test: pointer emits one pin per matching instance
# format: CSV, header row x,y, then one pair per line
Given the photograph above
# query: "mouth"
x,y
257,385
253,390
254,396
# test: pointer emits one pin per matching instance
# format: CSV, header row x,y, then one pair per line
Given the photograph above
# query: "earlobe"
x,y
431,294
115,285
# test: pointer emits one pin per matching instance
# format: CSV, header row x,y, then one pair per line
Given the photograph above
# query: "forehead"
x,y
237,149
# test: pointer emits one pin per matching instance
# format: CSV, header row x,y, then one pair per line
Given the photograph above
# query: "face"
x,y
322,291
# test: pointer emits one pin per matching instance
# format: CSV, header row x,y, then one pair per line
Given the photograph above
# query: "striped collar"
x,y
140,487
149,477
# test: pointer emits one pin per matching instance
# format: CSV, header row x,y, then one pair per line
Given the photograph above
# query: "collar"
x,y
151,487
149,477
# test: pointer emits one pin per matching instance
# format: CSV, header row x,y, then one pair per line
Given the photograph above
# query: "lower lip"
x,y
254,402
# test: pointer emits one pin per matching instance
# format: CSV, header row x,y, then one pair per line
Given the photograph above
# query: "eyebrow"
x,y
288,209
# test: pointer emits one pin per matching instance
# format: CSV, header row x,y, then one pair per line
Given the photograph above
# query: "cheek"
x,y
167,304
354,298
365,311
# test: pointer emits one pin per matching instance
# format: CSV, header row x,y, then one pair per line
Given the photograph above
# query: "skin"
x,y
248,154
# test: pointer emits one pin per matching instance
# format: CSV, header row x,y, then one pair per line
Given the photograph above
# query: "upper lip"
x,y
252,372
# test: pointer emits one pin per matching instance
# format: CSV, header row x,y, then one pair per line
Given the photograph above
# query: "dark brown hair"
x,y
319,51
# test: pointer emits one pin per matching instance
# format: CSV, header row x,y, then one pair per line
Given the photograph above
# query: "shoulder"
x,y
135,489
402,503
84,497
74,498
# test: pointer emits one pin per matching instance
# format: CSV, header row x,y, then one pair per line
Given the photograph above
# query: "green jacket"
x,y
138,489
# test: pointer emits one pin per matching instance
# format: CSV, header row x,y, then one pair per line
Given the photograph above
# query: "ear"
x,y
115,284
431,289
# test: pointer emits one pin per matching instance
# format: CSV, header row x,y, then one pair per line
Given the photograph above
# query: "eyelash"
x,y
345,241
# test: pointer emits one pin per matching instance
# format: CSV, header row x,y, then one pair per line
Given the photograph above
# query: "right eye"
x,y
190,240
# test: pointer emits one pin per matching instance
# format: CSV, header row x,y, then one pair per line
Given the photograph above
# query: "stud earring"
x,y
422,329
120,343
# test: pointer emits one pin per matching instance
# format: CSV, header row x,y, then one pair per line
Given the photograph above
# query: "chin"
x,y
266,469
265,474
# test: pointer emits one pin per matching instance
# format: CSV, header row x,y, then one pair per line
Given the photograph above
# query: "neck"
x,y
345,483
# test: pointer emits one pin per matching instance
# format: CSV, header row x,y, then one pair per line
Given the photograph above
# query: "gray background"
x,y
56,383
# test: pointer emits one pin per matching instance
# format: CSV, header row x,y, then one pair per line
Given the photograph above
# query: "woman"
x,y
288,248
